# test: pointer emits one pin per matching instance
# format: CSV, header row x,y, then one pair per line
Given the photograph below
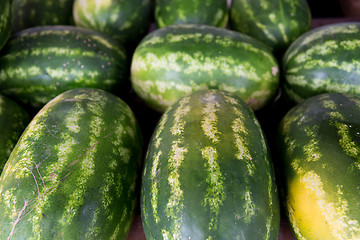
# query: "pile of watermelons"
x,y
209,119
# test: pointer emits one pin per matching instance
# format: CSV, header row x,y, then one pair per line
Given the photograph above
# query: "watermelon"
x,y
5,21
176,60
208,173
276,23
32,13
325,59
124,20
39,63
72,174
13,121
319,149
209,12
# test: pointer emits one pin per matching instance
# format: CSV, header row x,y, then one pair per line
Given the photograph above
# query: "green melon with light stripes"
x,y
13,121
31,13
209,12
276,23
208,173
125,20
176,60
5,21
325,59
72,175
319,145
39,63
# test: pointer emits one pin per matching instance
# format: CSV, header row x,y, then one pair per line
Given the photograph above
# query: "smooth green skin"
x,y
276,23
209,12
32,13
114,157
323,60
235,49
5,21
13,121
194,216
335,166
124,20
80,58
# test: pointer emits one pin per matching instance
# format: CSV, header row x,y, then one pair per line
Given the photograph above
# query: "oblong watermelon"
x,y
322,60
72,174
125,20
209,12
276,23
32,13
13,121
39,63
5,21
319,147
208,173
179,59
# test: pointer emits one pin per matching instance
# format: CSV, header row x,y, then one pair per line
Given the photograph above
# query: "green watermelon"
x,y
208,173
32,13
179,59
209,12
276,23
39,63
72,174
124,20
325,59
319,147
13,121
5,21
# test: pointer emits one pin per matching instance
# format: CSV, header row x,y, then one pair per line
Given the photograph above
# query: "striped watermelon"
x,y
179,59
325,59
319,143
5,21
209,12
39,63
208,173
13,120
72,175
276,23
126,21
31,13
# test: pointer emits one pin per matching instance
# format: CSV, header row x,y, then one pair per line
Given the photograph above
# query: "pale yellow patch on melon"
x,y
317,214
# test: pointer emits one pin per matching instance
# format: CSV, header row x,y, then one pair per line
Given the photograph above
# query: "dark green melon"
x,y
325,59
319,147
32,13
276,23
125,20
39,63
208,173
209,12
176,60
72,174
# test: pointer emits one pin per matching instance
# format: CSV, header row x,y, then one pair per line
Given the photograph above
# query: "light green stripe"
x,y
195,63
175,205
240,134
161,126
154,186
215,193
249,206
312,149
347,143
179,122
210,119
